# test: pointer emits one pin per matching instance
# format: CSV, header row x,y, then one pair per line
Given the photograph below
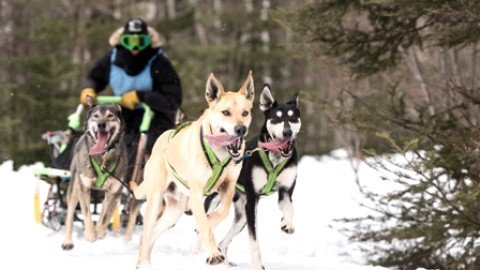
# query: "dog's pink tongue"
x,y
99,146
274,145
221,139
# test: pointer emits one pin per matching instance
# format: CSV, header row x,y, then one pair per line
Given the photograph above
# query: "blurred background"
x,y
47,47
348,60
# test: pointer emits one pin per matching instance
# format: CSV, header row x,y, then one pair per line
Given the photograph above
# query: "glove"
x,y
87,92
130,100
74,121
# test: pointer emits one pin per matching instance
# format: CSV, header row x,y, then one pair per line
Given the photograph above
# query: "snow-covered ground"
x,y
325,190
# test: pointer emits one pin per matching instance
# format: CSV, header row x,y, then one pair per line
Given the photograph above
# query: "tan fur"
x,y
184,152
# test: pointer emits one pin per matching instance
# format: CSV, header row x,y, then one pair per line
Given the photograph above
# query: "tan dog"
x,y
189,162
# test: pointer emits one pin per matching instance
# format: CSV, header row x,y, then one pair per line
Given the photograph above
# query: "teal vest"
x,y
121,82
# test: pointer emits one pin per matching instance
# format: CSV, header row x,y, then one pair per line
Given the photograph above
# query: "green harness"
x,y
215,164
102,174
272,174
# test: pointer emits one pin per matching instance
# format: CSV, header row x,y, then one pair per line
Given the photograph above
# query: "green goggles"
x,y
135,41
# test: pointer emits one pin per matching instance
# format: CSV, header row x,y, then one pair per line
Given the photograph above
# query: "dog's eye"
x,y
245,113
226,113
110,116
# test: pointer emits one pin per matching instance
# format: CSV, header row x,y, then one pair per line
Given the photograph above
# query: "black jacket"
x,y
165,98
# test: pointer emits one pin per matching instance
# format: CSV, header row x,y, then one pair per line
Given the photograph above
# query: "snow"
x,y
325,190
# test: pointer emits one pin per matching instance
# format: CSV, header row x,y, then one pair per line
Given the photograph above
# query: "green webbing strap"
x,y
179,178
101,174
62,148
240,187
172,134
217,166
178,128
272,174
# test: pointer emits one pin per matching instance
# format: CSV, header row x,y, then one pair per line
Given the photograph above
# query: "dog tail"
x,y
138,190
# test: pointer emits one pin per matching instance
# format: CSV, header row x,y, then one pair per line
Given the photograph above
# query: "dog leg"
x,y
132,216
204,228
108,207
211,203
155,177
251,212
85,199
286,206
174,208
154,204
72,201
227,191
239,222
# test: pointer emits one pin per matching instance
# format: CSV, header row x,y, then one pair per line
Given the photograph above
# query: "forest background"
x,y
375,77
47,48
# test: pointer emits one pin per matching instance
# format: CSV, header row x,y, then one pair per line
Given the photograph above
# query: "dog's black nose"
x,y
240,130
102,126
287,133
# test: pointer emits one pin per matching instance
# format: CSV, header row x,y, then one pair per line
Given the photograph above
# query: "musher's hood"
x,y
157,40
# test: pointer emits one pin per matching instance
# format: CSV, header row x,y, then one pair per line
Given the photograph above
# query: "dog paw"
x,y
90,236
215,260
67,246
127,239
100,233
287,228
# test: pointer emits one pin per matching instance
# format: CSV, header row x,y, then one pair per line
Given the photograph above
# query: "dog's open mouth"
x,y
233,143
279,147
101,141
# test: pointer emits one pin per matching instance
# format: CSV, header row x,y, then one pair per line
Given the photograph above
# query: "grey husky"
x,y
99,162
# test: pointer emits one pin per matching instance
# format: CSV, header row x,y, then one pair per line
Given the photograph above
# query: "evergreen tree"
x,y
421,101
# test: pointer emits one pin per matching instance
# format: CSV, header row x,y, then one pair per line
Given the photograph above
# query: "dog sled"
x,y
61,143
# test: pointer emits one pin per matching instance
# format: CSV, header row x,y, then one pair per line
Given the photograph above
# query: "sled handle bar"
x,y
74,119
147,115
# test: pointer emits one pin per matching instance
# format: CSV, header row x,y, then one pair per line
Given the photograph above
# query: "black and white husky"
x,y
270,168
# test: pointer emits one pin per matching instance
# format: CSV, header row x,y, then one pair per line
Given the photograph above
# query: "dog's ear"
x,y
91,101
293,100
214,88
248,88
119,109
120,116
266,98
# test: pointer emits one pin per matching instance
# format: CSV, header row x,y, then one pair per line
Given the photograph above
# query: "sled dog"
x,y
192,161
99,162
271,167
